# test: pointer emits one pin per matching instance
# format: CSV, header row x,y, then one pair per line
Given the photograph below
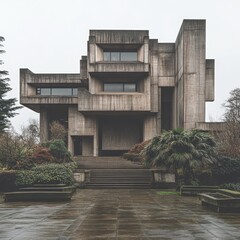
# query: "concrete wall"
x,y
149,127
80,125
120,133
181,65
112,102
191,66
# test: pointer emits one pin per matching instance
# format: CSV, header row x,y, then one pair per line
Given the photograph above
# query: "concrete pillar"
x,y
149,127
43,125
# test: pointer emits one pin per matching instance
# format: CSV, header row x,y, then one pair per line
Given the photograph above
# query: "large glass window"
x,y
119,87
107,56
129,87
120,56
56,91
128,56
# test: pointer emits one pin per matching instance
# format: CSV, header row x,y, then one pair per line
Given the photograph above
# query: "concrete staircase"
x,y
114,172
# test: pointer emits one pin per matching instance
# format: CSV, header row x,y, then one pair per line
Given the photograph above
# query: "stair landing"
x,y
114,172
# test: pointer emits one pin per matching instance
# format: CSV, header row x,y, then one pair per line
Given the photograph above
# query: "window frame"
x,y
39,91
119,59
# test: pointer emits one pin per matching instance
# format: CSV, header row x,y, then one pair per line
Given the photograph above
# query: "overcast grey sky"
x,y
49,36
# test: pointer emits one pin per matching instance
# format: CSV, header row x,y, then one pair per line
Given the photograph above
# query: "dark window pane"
x,y
113,87
38,91
45,91
128,56
75,91
106,56
62,91
129,87
115,56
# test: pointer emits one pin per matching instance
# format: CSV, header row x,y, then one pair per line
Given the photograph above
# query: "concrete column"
x,y
43,125
149,127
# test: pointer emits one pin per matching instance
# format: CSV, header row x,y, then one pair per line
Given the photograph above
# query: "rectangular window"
x,y
115,56
45,91
56,91
113,87
61,91
119,87
129,56
129,87
107,56
120,56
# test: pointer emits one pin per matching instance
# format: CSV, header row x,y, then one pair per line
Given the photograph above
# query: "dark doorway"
x,y
166,108
77,146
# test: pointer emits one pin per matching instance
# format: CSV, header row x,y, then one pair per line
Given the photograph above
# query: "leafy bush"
x,y
45,174
58,131
134,153
39,155
226,170
7,180
25,178
12,150
179,149
58,150
231,186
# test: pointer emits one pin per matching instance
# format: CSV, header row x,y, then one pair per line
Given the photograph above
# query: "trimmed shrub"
x,y
231,186
25,178
7,180
58,150
45,174
226,170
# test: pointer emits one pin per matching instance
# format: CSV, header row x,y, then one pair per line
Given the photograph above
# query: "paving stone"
x,y
117,214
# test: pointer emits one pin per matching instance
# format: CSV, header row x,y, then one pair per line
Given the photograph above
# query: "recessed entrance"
x,y
82,145
118,134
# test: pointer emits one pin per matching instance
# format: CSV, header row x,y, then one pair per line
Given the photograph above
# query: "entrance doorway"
x,y
82,145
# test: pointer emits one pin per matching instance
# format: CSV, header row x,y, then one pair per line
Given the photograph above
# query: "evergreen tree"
x,y
7,105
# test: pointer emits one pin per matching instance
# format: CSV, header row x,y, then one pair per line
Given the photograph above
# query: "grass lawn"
x,y
167,193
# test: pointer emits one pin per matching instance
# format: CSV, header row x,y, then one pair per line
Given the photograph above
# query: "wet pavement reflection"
x,y
117,214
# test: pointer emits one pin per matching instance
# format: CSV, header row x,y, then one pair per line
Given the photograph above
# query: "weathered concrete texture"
x,y
117,214
180,65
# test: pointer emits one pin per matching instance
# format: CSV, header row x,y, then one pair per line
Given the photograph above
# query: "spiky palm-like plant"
x,y
180,150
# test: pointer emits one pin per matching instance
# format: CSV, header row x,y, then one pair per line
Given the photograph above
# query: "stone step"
x,y
120,180
106,163
118,186
34,196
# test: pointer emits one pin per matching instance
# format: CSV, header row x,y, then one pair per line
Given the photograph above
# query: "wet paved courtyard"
x,y
117,214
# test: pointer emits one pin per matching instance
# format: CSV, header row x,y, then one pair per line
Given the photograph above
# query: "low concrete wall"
x,y
82,177
162,179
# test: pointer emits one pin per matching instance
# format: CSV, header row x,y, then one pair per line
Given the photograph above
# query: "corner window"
x,y
120,56
119,87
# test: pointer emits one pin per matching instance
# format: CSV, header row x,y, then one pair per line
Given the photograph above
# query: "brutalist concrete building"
x,y
130,87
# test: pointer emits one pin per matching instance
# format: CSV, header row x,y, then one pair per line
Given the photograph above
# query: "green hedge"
x,y
7,180
226,170
231,186
45,174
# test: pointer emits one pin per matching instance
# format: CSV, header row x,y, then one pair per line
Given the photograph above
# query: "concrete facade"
x,y
129,89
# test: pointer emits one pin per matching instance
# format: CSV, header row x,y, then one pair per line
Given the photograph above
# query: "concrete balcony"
x,y
68,79
104,102
118,67
34,102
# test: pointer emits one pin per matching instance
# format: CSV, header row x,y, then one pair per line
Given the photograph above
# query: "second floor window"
x,y
57,91
119,87
120,56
